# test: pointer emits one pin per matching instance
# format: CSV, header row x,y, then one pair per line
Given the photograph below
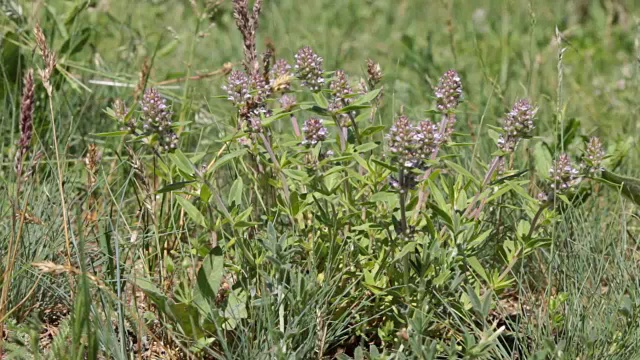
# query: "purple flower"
x,y
309,69
402,139
287,102
517,124
563,174
314,132
448,92
427,139
238,88
156,117
593,157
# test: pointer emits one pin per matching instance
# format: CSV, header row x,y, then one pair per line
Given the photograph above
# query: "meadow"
x,y
330,179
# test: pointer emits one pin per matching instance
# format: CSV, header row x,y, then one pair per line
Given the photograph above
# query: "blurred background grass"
x,y
504,50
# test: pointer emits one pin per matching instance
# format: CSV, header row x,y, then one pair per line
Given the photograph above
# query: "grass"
x,y
203,252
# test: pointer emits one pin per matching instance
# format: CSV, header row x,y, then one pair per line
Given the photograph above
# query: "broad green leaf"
x,y
366,147
175,186
210,274
192,211
368,97
372,130
462,171
226,158
629,186
383,196
182,162
321,100
112,133
235,194
477,267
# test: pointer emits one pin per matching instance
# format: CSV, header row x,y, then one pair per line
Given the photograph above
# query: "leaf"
x,y
236,308
192,211
226,158
210,274
235,194
383,196
475,265
175,186
366,147
629,186
542,160
183,163
76,43
321,100
462,171
372,130
368,97
112,133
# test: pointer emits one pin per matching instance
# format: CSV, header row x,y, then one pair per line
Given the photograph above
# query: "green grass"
x,y
321,275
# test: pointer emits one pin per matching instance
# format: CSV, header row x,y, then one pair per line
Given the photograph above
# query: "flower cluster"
x,y
280,76
287,102
340,90
237,88
314,132
411,145
120,111
594,154
564,174
374,73
156,117
448,92
517,124
309,69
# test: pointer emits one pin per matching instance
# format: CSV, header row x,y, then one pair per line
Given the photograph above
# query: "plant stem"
x,y
65,216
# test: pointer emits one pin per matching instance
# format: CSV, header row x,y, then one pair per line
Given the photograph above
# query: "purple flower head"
x,y
593,157
517,124
314,132
262,89
287,102
448,92
403,138
309,69
428,139
238,88
156,117
340,87
563,174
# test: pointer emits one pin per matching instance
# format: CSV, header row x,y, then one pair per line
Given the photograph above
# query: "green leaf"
x,y
475,265
629,186
210,274
236,308
192,211
183,163
226,158
462,171
175,186
372,130
383,196
542,160
366,147
235,194
368,97
112,133
321,100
